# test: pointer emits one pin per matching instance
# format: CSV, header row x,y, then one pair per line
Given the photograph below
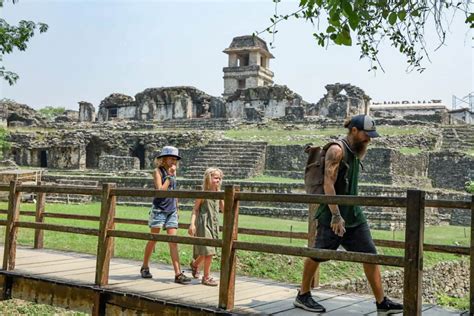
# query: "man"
x,y
345,225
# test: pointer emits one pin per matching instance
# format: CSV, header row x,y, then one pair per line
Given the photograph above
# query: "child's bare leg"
x,y
174,252
150,245
198,261
207,266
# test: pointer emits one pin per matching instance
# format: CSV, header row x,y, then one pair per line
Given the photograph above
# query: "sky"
x,y
97,47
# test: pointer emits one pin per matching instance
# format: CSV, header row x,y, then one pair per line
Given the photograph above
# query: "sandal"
x,y
194,270
209,281
145,273
181,278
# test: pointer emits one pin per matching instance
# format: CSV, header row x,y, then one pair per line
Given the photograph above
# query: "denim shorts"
x,y
356,239
160,219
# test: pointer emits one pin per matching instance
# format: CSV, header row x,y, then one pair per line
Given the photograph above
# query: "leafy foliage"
x,y
4,143
51,112
15,37
368,23
469,186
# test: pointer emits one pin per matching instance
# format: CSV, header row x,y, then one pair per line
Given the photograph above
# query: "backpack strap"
x,y
347,147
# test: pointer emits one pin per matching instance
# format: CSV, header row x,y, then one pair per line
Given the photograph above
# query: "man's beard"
x,y
360,149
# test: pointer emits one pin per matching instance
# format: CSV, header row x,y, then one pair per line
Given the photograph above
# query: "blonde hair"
x,y
160,162
206,182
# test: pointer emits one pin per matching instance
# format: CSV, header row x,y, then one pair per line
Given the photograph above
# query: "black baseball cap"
x,y
364,123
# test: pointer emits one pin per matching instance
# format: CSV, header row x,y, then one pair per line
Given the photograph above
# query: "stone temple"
x,y
117,140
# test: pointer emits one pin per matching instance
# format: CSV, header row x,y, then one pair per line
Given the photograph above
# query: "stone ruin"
x,y
125,134
18,115
341,101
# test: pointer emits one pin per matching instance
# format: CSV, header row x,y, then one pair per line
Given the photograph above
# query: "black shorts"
x,y
356,239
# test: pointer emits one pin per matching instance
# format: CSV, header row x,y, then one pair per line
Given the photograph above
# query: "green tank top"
x,y
352,215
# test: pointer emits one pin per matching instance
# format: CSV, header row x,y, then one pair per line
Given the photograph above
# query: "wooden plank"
x,y
71,268
72,216
459,250
413,276
188,194
85,190
11,229
167,238
360,307
448,204
105,243
320,253
272,301
229,235
273,233
39,218
322,199
335,305
34,262
330,301
59,228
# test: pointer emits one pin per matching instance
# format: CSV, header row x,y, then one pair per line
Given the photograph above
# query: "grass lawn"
x,y
280,136
20,307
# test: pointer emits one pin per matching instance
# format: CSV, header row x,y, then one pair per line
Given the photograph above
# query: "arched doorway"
x,y
43,158
139,151
93,152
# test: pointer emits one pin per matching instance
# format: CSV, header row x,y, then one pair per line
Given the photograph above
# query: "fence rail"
x,y
412,261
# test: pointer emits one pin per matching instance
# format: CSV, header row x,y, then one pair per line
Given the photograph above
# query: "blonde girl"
x,y
164,213
205,223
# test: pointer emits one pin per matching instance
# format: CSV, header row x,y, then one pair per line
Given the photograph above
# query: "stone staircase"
x,y
71,198
199,124
458,138
237,159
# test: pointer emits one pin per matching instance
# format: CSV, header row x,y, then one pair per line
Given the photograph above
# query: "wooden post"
x,y
105,244
229,234
9,253
39,218
413,277
471,272
312,228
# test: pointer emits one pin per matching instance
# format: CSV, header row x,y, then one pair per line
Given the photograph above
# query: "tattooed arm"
x,y
334,156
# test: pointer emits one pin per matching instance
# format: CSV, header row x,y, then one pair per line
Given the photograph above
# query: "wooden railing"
x,y
412,261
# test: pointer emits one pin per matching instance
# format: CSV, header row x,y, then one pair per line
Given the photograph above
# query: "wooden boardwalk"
x,y
252,296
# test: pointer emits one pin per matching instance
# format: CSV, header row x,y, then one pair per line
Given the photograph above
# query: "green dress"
x,y
207,225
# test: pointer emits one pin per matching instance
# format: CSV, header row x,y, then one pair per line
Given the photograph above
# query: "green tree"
x,y
368,23
15,37
51,112
4,143
469,186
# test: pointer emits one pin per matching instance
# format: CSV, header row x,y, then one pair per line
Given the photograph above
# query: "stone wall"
x,y
425,113
254,104
177,103
17,114
381,165
450,169
450,278
118,163
82,149
67,157
86,112
341,101
116,106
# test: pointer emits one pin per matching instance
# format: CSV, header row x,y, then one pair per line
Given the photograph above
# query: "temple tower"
x,y
248,67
